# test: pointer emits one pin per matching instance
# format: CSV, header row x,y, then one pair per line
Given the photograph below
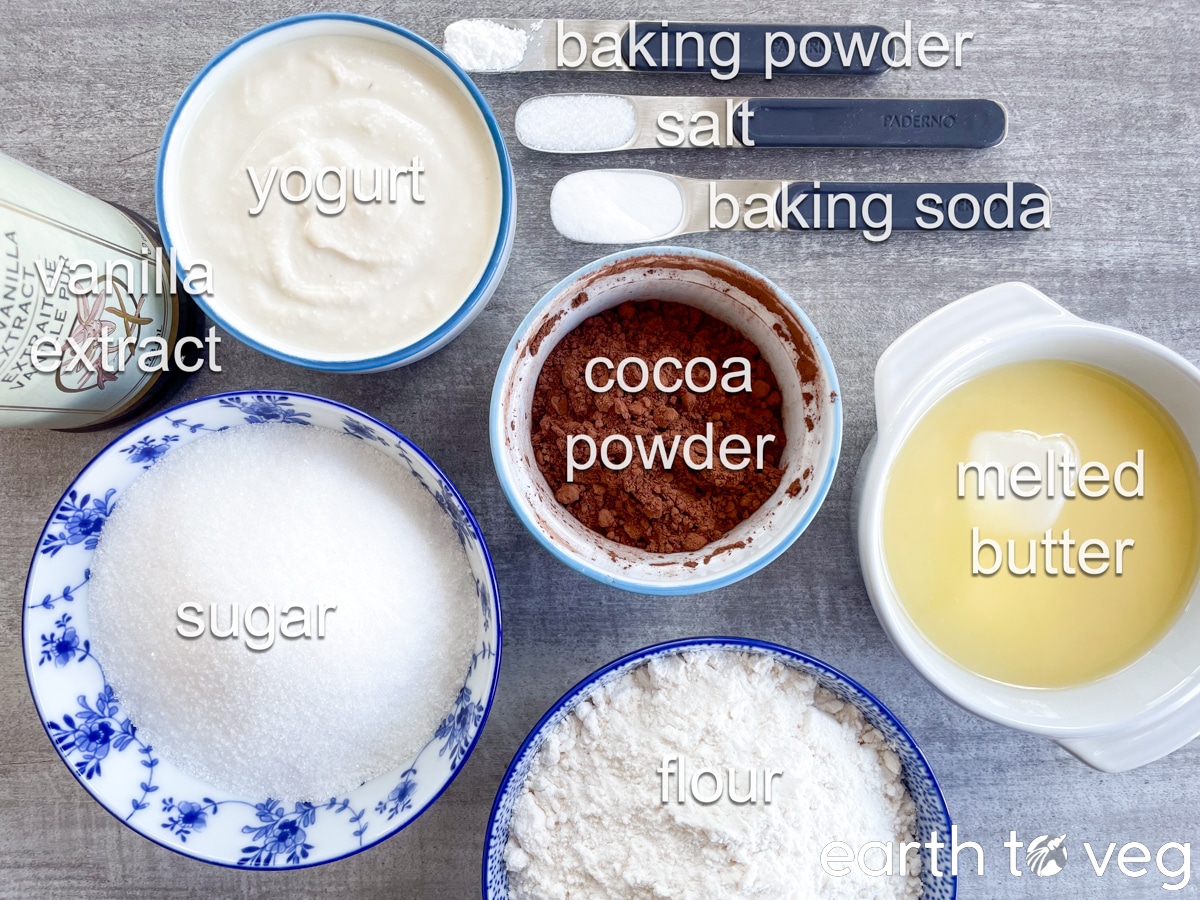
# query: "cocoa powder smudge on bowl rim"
x,y
658,510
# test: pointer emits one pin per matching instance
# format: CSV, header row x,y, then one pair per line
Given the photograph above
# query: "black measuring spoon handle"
x,y
967,124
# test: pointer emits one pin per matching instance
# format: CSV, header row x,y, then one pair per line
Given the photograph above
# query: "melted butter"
x,y
1042,629
1002,510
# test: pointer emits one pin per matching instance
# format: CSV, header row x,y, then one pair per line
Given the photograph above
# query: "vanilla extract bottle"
x,y
84,354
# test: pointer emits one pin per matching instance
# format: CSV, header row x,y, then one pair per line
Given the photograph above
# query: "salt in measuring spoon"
x,y
599,123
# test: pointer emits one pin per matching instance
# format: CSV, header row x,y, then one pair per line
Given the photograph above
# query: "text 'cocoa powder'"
x,y
656,508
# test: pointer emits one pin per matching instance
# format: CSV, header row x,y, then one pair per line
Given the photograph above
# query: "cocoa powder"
x,y
657,509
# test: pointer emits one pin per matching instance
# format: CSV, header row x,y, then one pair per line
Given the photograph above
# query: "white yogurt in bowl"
x,y
347,187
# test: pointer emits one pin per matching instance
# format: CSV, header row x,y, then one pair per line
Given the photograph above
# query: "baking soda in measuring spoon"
x,y
616,206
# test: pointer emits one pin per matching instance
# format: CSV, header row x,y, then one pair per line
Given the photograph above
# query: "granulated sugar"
x,y
616,206
283,514
576,122
480,45
591,823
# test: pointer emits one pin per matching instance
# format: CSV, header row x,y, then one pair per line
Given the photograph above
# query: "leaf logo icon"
x,y
1047,855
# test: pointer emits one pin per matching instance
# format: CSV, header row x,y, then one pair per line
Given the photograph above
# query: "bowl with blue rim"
x,y
931,811
171,174
101,746
739,296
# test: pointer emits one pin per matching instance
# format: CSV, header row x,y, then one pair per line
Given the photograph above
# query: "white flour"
x,y
590,823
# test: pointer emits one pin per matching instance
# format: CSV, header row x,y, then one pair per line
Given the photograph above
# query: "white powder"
x,y
615,206
576,122
590,823
284,514
480,45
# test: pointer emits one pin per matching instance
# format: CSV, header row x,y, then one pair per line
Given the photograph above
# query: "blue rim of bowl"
x,y
504,235
752,565
585,686
487,555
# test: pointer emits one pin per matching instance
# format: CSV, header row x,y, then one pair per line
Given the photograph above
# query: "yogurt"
x,y
345,191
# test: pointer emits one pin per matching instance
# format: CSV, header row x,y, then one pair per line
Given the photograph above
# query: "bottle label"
x,y
80,275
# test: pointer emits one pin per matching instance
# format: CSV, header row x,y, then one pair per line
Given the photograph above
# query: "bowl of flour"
x,y
262,630
719,768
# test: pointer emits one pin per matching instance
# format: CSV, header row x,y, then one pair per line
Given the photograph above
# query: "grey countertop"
x,y
1102,97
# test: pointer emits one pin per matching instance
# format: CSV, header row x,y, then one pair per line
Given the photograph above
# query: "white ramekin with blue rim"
x,y
739,296
100,745
169,175
932,814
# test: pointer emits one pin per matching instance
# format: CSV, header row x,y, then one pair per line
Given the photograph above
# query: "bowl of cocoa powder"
x,y
666,420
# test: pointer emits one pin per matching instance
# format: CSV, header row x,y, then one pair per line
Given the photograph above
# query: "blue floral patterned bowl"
x,y
932,814
102,747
